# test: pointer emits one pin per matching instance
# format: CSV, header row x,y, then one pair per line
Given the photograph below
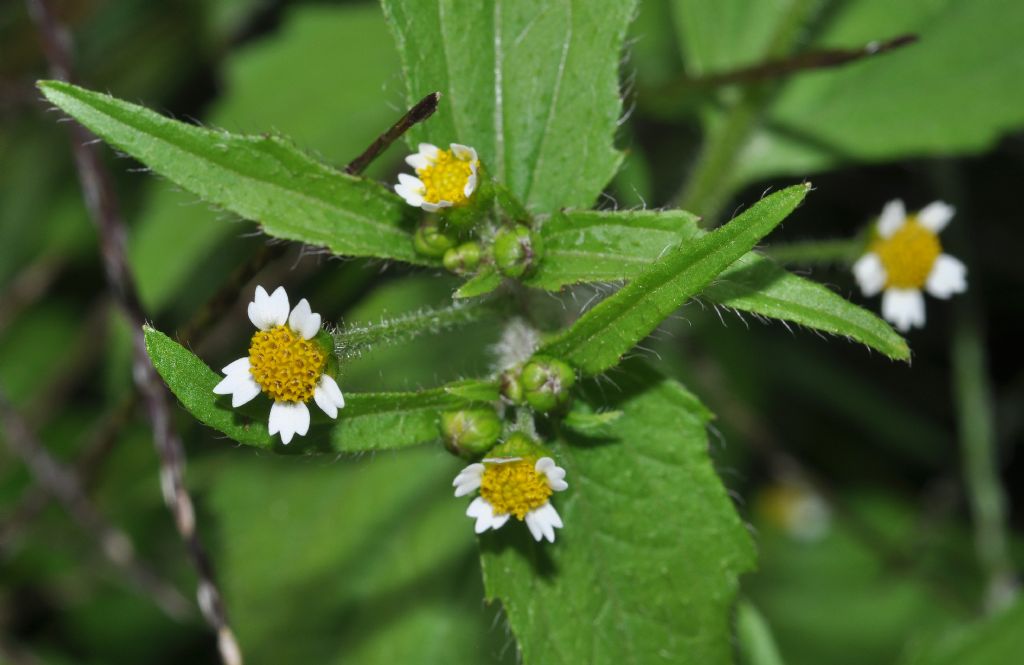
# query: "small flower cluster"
x,y
290,359
447,182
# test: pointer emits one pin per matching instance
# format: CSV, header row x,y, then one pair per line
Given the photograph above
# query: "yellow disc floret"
x,y
286,366
445,178
514,487
908,255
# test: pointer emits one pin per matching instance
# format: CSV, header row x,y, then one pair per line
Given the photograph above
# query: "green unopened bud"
x,y
470,432
516,250
463,259
547,383
518,444
511,388
430,240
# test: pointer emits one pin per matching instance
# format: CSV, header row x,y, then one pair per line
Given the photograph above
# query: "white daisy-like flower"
x,y
286,363
519,486
906,258
444,178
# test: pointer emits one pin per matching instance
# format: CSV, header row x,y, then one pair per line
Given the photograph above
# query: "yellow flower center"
x,y
285,366
445,178
514,487
908,255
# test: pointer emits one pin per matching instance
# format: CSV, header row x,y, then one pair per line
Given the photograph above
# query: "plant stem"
x,y
841,251
353,341
973,398
756,643
710,183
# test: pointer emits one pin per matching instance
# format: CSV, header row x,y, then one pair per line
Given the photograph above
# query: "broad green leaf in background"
x,y
367,561
646,568
263,178
956,90
264,82
369,421
997,640
615,325
533,85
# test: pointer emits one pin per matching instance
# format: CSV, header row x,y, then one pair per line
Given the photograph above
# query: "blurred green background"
x,y
369,560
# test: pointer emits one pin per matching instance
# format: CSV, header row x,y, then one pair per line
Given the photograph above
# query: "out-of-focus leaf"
x,y
533,85
956,90
369,421
997,640
263,178
642,572
602,335
263,79
359,561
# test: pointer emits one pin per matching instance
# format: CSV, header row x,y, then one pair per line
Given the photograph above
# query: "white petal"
x,y
288,419
894,214
483,512
323,400
936,215
463,152
240,366
258,308
417,161
226,385
948,276
534,525
331,386
470,185
471,474
277,307
245,390
553,472
304,321
411,182
414,199
870,274
543,521
498,521
904,308
428,150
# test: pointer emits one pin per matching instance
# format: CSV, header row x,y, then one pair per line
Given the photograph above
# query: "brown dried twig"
x,y
105,214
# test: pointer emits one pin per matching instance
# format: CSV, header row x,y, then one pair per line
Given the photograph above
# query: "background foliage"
x,y
368,559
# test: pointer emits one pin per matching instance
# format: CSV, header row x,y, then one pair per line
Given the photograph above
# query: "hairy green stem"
x,y
353,341
972,394
756,643
710,184
840,251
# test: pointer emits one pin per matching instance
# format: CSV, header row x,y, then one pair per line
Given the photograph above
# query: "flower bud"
x,y
547,383
516,250
470,432
517,444
511,388
462,259
430,240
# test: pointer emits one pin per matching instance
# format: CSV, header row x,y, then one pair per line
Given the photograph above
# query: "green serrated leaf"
x,y
369,421
996,640
601,336
262,178
533,85
480,284
595,246
653,570
756,284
